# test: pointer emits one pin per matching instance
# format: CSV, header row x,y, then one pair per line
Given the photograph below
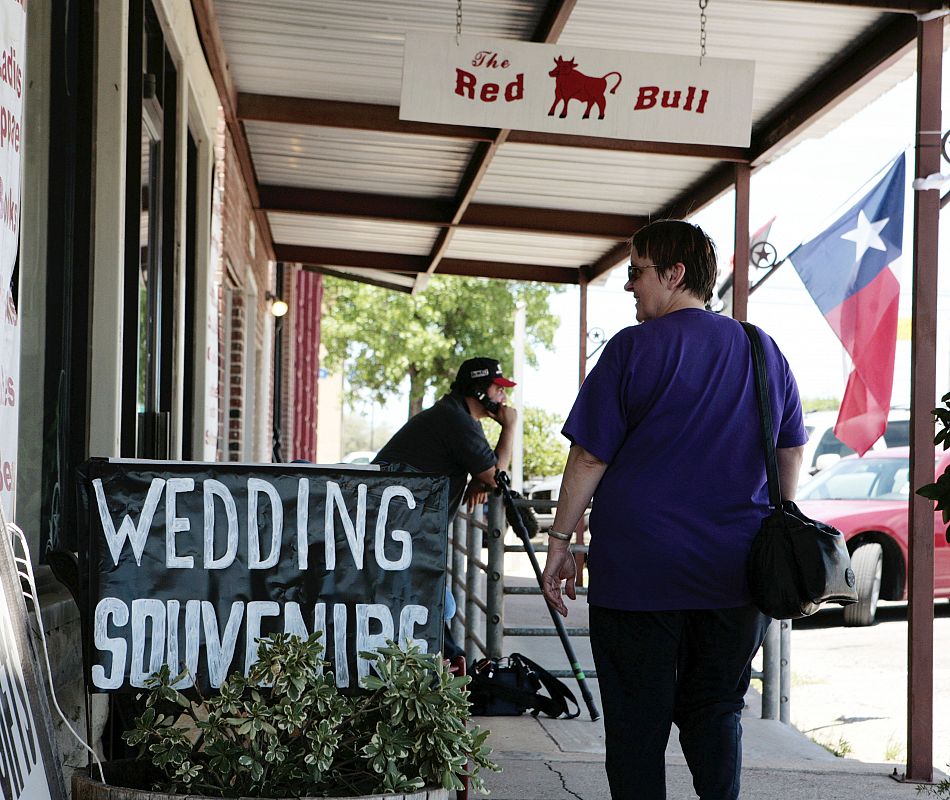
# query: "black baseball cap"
x,y
476,371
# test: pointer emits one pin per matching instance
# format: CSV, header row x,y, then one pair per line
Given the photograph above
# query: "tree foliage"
x,y
545,450
385,336
820,404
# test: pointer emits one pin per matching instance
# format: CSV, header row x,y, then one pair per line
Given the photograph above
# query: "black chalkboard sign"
x,y
187,564
30,766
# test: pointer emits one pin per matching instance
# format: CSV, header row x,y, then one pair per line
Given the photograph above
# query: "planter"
x,y
137,776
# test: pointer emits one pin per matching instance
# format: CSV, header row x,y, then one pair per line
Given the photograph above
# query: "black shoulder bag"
x,y
510,686
796,563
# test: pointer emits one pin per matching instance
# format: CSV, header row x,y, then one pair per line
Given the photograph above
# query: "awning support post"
x,y
920,609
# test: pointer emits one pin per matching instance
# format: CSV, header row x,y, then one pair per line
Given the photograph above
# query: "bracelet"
x,y
564,537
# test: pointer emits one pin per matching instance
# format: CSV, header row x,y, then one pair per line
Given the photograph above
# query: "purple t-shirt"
x,y
671,407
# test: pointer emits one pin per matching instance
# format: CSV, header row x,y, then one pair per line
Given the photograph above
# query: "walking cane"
x,y
514,517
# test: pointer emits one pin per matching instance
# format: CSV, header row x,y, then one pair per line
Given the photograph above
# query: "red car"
x,y
866,499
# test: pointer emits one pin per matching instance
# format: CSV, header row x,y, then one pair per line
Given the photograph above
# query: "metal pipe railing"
x,y
785,671
770,675
456,570
495,613
474,643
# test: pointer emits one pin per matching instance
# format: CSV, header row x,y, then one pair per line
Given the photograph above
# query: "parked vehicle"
x,y
359,457
547,489
823,448
866,499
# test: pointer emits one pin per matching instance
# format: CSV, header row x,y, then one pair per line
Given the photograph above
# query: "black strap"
x,y
560,694
765,413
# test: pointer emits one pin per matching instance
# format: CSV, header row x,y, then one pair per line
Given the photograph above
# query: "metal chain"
x,y
458,22
702,29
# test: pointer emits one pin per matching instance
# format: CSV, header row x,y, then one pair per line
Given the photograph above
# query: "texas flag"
x,y
847,272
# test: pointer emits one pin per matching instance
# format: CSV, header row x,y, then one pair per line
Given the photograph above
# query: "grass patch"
x,y
841,748
806,680
894,749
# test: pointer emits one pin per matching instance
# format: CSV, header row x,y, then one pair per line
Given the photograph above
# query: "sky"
x,y
805,189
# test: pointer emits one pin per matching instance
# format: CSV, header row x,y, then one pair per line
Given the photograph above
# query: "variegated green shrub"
x,y
286,731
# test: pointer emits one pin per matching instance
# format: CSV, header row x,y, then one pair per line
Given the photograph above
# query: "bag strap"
x,y
560,694
765,413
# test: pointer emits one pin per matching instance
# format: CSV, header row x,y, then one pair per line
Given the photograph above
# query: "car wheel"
x,y
868,564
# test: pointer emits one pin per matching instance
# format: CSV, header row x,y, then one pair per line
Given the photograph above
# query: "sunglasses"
x,y
634,273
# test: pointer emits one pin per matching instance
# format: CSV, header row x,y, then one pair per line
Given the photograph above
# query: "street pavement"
x,y
849,685
547,759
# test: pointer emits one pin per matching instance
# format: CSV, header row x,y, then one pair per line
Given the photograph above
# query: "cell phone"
x,y
490,405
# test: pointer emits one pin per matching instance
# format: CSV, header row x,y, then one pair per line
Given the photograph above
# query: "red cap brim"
x,y
504,382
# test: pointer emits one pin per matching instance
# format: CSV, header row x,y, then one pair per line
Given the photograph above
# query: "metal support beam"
x,y
579,534
508,271
418,210
354,116
893,6
717,152
329,257
920,611
740,262
582,343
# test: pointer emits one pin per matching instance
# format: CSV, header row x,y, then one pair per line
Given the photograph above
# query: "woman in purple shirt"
x,y
665,437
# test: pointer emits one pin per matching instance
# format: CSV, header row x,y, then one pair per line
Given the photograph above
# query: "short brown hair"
x,y
669,241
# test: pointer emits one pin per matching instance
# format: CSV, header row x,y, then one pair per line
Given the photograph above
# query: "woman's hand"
x,y
560,566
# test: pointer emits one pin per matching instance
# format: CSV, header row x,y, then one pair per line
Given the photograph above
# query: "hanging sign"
x,y
498,83
30,766
12,84
187,564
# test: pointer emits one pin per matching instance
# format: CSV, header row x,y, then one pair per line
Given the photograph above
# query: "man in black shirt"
x,y
448,437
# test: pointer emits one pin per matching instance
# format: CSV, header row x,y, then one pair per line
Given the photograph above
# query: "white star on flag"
x,y
866,235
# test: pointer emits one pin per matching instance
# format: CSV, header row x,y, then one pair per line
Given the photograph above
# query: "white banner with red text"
x,y
552,88
12,83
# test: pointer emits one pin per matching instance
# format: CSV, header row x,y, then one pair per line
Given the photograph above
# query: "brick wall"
x,y
308,298
236,378
289,324
241,326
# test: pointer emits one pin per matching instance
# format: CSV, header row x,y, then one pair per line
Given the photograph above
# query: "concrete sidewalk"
x,y
546,759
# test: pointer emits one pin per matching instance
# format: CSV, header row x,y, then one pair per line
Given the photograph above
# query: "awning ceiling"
x,y
311,89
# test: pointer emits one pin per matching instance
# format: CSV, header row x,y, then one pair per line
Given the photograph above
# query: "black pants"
x,y
691,668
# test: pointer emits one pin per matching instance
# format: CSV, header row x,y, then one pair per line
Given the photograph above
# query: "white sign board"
x,y
12,84
498,83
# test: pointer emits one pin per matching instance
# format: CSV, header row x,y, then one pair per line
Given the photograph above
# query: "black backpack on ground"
x,y
510,686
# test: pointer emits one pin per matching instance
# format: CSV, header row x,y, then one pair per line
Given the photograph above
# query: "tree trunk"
x,y
416,391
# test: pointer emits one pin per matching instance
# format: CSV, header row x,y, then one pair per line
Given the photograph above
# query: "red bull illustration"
x,y
571,84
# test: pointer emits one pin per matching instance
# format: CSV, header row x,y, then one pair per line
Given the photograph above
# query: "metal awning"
x,y
311,92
